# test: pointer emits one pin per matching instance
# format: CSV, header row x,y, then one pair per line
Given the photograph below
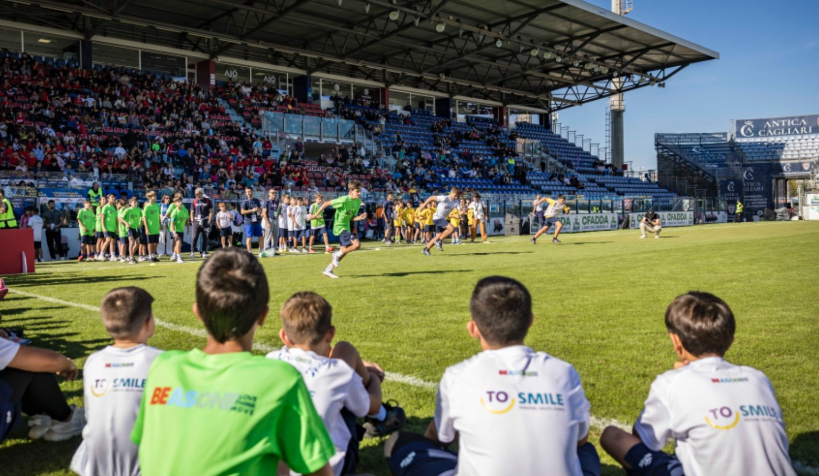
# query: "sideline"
x,y
598,423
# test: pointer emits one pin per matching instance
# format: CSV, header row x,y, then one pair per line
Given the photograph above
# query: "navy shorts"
x,y
179,234
225,232
441,224
417,226
346,238
415,455
548,222
88,240
123,240
112,235
429,228
645,462
134,233
100,235
153,238
253,229
317,232
284,233
38,245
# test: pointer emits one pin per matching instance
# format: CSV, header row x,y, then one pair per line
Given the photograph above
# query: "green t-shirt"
x,y
227,414
88,219
98,220
122,230
318,222
180,218
346,210
109,215
134,217
152,215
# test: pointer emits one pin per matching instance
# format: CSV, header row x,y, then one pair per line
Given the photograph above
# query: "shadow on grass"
x,y
805,449
591,242
25,457
19,310
408,273
486,253
29,280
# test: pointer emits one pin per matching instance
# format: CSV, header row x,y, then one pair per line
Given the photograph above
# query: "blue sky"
x,y
768,66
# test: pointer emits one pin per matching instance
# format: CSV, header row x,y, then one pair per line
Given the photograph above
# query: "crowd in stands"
x,y
510,408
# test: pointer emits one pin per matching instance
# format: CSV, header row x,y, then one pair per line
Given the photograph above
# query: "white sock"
x,y
381,415
328,269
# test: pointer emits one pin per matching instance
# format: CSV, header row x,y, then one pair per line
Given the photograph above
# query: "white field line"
x,y
596,422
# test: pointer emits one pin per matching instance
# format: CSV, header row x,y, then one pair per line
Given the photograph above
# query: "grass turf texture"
x,y
599,300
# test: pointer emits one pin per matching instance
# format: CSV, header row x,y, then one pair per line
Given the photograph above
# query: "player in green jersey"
x,y
346,208
86,219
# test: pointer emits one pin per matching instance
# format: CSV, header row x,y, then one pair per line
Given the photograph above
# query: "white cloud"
x,y
810,44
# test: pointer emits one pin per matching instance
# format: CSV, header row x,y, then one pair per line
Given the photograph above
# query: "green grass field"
x,y
599,300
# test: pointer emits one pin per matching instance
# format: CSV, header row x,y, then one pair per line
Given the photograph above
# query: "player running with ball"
x,y
346,212
443,228
556,207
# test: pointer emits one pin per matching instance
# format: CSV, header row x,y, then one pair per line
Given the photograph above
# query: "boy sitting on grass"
x,y
113,379
221,410
342,385
512,410
724,417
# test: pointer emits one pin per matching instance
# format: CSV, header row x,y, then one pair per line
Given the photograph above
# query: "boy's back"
x,y
334,386
516,411
113,381
725,418
227,414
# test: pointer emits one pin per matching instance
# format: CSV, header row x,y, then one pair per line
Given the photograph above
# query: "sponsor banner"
x,y
692,139
732,191
756,188
776,126
667,219
810,209
578,223
708,218
793,169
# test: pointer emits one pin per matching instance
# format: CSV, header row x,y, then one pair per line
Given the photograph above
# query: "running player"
x,y
346,208
446,203
556,207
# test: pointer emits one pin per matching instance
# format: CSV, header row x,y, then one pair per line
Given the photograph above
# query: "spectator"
x,y
266,414
53,221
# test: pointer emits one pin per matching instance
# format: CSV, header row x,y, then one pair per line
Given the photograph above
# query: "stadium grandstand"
x,y
753,162
404,97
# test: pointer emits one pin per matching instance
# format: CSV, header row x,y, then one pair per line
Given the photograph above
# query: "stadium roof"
x,y
501,51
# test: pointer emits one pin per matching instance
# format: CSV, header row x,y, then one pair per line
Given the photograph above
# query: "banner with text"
x,y
731,190
584,222
667,219
793,169
776,126
756,188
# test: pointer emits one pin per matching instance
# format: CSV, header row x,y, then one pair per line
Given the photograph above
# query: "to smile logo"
x,y
723,415
500,397
99,387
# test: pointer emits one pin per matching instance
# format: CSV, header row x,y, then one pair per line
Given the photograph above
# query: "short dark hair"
x,y
125,310
502,309
561,196
231,293
703,322
306,318
354,185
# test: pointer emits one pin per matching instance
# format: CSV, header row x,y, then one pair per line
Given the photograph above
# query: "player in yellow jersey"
x,y
429,223
455,220
407,217
398,217
419,225
556,207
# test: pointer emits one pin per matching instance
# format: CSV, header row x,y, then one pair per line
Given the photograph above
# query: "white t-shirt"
x,y
298,217
554,208
445,207
283,217
517,411
223,219
8,350
113,381
538,207
333,385
724,417
36,224
477,210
